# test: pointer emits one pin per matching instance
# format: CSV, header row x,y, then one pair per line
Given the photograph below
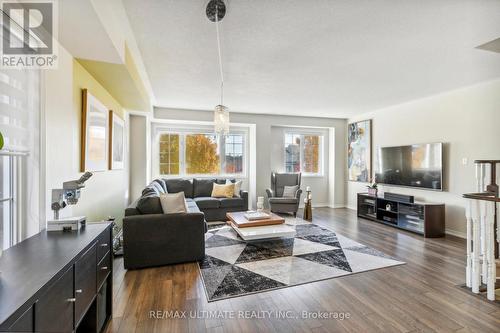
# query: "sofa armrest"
x,y
159,239
244,196
298,194
270,193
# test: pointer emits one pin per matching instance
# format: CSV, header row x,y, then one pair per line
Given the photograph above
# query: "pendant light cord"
x,y
220,55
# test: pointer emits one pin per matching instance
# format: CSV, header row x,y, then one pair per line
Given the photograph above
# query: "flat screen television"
x,y
419,165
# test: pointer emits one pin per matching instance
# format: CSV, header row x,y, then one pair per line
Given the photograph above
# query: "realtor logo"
x,y
28,29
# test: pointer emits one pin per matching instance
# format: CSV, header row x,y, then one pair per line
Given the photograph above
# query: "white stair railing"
x,y
481,241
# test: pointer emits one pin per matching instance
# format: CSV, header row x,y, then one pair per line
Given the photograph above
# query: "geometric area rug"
x,y
233,267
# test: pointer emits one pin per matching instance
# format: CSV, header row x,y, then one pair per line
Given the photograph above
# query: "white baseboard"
x,y
316,205
351,207
337,206
455,233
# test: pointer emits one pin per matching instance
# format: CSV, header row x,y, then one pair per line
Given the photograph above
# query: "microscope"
x,y
68,195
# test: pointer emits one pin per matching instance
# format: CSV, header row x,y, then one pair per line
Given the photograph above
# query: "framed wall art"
x,y
117,142
359,151
95,134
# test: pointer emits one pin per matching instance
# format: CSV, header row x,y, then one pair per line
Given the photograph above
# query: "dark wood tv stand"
x,y
426,219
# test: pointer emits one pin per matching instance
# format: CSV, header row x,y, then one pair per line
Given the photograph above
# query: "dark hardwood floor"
x,y
419,296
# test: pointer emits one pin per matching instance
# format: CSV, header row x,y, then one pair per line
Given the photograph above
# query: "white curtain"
x,y
20,113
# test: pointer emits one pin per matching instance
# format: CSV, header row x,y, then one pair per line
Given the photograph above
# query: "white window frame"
x,y
321,136
183,131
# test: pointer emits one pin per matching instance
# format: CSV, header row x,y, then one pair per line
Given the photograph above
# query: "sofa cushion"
x,y
149,204
231,202
223,191
207,202
172,203
290,191
203,187
191,206
283,200
180,185
237,186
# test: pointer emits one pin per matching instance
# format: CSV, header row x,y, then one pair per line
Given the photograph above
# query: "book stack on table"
x,y
253,215
253,219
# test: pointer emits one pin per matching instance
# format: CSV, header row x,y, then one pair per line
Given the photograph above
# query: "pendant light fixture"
x,y
216,10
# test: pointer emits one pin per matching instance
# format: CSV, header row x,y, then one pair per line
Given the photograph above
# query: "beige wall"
x,y
467,121
139,151
106,193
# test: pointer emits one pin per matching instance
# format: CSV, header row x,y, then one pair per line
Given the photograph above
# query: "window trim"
x,y
321,161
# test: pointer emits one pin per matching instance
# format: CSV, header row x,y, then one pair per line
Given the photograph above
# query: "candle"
x,y
308,188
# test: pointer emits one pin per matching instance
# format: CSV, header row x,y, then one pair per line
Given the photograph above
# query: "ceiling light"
x,y
216,10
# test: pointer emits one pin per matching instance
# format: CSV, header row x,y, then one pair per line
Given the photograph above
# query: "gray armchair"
x,y
277,202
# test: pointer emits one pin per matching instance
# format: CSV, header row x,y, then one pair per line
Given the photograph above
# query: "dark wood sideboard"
x,y
427,219
58,282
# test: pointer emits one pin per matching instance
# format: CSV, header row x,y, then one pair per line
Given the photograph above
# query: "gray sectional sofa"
x,y
152,238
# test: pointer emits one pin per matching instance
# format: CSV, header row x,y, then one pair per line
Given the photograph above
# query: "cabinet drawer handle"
x,y
104,245
72,300
79,291
104,268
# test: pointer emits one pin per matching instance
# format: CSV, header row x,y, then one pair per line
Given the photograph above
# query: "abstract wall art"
x,y
359,151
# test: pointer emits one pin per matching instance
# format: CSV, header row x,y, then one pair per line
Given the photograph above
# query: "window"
x,y
201,154
169,154
6,201
186,153
233,157
310,161
303,153
292,152
20,192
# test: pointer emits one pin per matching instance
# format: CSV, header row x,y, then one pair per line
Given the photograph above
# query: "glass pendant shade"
x,y
221,119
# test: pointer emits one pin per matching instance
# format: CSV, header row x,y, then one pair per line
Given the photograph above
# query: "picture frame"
x,y
116,142
359,151
94,134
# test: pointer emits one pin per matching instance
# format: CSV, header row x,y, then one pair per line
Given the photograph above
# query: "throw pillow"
x,y
173,203
237,187
289,191
223,191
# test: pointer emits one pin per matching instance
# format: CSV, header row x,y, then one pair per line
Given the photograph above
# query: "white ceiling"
x,y
320,57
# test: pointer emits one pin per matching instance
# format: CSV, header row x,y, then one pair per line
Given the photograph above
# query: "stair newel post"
x,y
497,225
484,246
476,217
468,269
490,252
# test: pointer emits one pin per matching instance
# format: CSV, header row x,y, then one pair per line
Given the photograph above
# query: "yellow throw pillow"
x,y
223,191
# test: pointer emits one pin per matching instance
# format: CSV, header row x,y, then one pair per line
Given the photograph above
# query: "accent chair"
x,y
277,202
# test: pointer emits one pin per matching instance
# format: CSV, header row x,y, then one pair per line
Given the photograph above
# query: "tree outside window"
x,y
182,154
310,161
201,154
